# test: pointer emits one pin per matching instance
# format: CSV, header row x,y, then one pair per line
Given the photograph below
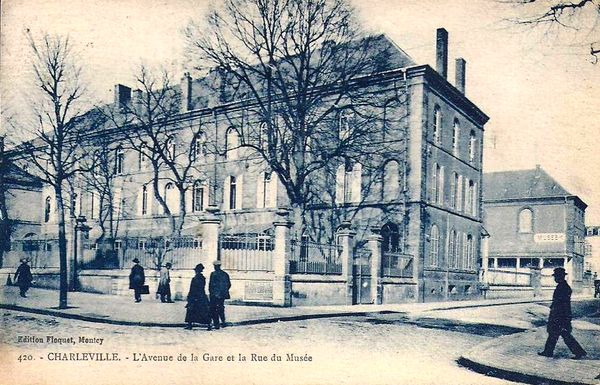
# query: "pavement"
x,y
511,356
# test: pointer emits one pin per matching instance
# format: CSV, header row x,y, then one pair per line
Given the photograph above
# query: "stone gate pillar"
x,y
374,242
210,237
282,285
346,240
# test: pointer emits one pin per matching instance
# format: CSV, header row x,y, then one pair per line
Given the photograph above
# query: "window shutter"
x,y
272,197
441,186
226,193
339,184
260,190
239,192
357,183
140,200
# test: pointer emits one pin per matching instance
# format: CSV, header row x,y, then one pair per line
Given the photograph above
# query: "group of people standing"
x,y
201,309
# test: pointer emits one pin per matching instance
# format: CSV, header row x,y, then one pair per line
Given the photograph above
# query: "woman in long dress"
x,y
197,301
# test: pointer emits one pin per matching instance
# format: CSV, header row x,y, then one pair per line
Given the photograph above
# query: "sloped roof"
x,y
384,55
521,184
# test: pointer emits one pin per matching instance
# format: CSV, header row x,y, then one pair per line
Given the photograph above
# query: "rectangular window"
x,y
507,263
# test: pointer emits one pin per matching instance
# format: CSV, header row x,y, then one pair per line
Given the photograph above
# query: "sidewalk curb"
x,y
512,375
80,317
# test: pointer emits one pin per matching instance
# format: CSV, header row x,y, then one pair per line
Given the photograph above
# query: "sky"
x,y
539,86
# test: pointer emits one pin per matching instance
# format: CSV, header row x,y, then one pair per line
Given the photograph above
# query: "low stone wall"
x,y
521,292
313,289
43,278
398,290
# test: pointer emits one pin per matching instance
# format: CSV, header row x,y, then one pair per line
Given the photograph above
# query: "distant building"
x,y
592,249
534,223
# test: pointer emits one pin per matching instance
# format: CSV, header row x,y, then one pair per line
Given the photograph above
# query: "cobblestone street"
x,y
379,349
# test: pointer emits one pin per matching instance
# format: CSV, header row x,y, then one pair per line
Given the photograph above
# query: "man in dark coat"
x,y
559,320
23,277
218,289
197,302
137,279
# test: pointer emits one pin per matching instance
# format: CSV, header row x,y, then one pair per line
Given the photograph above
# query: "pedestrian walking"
x,y
164,284
197,301
218,289
23,277
559,320
137,279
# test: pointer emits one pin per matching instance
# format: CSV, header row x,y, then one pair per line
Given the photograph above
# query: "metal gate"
x,y
361,274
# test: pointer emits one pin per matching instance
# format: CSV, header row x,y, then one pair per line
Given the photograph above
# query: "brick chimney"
x,y
441,57
461,74
186,92
122,95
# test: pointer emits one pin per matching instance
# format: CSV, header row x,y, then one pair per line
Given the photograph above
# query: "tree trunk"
x,y
62,247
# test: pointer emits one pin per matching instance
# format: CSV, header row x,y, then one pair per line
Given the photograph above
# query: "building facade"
x,y
398,225
592,250
535,225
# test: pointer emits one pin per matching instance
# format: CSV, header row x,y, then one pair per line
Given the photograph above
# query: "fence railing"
x,y
248,252
182,253
39,253
315,258
397,265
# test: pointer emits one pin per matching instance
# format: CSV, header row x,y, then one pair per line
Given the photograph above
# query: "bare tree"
x,y
99,183
147,122
302,64
578,16
5,222
59,129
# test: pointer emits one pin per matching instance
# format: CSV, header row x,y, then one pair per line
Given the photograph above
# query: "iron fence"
x,y
397,265
247,252
309,257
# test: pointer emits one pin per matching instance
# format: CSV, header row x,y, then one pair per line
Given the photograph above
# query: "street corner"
x,y
514,357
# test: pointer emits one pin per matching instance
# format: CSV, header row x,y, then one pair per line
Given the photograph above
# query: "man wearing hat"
x,y
218,289
559,320
23,277
137,279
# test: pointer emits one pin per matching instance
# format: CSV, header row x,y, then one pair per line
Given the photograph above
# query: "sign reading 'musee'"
x,y
549,237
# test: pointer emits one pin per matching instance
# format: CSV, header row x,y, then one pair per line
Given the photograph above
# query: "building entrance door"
x,y
361,273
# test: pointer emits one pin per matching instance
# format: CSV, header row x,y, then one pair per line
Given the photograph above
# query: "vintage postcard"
x,y
299,192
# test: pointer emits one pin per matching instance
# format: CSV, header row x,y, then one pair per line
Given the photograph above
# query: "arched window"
x,y
526,221
434,245
171,198
47,209
348,182
455,137
391,241
263,136
170,148
232,143
144,200
232,192
344,124
199,196
266,190
454,186
452,247
391,180
437,125
199,147
472,146
142,161
470,207
469,252
437,184
119,160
